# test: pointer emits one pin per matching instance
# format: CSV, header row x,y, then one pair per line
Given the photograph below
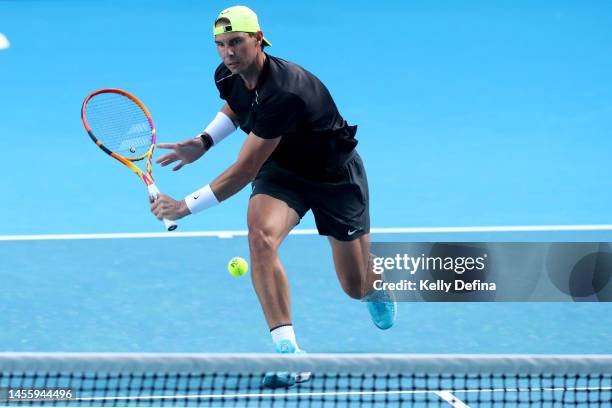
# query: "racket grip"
x,y
153,193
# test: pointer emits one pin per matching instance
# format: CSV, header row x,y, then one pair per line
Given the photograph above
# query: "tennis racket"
x,y
122,127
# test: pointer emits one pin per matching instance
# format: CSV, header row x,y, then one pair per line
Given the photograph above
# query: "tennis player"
x,y
299,155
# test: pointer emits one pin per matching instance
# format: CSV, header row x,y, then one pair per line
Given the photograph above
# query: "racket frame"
x,y
146,177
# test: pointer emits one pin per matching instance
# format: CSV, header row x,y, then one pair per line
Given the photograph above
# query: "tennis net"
x,y
337,380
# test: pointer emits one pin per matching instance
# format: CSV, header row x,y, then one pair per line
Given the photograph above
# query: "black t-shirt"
x,y
291,102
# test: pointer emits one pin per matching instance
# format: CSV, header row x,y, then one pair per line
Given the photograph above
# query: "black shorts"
x,y
340,207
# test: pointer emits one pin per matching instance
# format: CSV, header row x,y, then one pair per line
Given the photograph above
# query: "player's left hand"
x,y
168,208
186,151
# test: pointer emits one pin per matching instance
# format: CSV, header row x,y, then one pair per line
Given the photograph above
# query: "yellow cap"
x,y
242,19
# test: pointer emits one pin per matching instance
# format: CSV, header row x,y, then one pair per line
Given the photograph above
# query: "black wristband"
x,y
208,142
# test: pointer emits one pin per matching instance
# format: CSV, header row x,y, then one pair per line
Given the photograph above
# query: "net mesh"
x,y
336,381
119,123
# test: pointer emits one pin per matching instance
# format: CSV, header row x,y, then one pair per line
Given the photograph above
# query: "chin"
x,y
233,70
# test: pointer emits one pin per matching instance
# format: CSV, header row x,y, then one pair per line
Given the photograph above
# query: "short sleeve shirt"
x,y
291,103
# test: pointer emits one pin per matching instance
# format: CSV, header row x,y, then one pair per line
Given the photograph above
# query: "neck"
x,y
251,75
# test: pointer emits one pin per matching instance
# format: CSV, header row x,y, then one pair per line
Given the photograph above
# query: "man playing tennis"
x,y
299,155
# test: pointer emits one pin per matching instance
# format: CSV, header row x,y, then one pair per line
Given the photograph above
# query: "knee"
x,y
262,240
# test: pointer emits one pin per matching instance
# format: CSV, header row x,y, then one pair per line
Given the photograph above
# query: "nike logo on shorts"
x,y
351,232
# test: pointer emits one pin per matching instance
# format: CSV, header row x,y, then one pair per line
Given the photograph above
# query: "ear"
x,y
259,35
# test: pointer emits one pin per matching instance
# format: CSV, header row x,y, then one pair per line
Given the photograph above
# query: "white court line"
x,y
345,393
451,399
243,233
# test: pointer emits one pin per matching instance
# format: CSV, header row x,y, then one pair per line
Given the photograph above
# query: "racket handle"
x,y
153,193
170,225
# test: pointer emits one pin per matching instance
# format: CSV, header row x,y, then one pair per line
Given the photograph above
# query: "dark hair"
x,y
255,35
223,21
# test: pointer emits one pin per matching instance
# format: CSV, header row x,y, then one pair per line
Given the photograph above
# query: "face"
x,y
237,50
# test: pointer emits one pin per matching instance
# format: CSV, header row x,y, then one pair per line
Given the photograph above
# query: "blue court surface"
x,y
470,114
175,295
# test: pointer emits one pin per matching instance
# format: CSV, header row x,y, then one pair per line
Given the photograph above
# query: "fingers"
x,y
167,145
168,208
155,207
158,204
179,166
167,158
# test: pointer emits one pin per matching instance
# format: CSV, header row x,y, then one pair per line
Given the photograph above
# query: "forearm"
x,y
230,182
254,152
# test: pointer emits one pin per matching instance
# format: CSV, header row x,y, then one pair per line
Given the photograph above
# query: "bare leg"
x,y
356,276
353,265
269,221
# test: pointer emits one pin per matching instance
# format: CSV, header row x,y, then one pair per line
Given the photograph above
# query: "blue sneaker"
x,y
383,309
286,347
284,379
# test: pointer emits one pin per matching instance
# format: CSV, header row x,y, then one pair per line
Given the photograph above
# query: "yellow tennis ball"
x,y
237,267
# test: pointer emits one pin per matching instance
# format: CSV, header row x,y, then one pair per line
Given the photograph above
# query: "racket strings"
x,y
119,124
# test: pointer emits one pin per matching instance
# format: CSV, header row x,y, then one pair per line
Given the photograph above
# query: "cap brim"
x,y
266,42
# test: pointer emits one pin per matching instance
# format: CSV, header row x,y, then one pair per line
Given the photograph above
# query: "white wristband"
x,y
220,127
201,199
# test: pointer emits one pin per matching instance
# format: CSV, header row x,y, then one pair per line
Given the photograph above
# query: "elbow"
x,y
246,171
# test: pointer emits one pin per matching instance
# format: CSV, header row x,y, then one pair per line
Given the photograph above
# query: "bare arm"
x,y
189,150
254,152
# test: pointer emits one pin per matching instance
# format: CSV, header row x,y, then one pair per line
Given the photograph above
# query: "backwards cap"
x,y
242,19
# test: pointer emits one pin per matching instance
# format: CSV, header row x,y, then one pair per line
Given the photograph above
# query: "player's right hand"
x,y
186,151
